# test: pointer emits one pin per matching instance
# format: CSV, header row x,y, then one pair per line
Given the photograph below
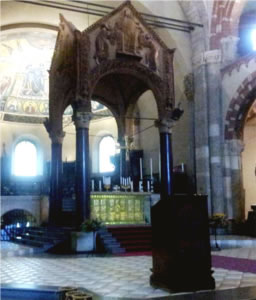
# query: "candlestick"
x,y
148,185
141,177
152,187
131,186
100,187
159,166
151,168
92,185
140,186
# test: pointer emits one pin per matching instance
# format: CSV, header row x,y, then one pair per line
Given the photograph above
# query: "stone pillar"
x,y
55,205
165,130
229,49
201,132
213,59
82,119
236,197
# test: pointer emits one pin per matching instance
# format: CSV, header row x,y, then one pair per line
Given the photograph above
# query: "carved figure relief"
x,y
145,41
101,44
129,28
128,37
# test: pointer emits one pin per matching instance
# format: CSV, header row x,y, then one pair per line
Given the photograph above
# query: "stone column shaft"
x,y
213,59
166,159
55,205
201,134
82,120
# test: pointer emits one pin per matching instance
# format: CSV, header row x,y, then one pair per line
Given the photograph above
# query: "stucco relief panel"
x,y
122,34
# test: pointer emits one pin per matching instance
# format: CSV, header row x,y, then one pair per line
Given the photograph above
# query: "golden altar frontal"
x,y
114,208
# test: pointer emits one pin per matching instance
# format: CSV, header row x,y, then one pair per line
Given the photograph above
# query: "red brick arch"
x,y
239,106
225,20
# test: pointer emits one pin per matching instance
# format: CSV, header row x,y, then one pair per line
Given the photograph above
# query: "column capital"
x,y
234,147
82,118
211,57
165,125
57,137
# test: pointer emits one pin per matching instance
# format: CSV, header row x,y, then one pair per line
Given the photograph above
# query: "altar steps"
x,y
42,239
108,242
133,238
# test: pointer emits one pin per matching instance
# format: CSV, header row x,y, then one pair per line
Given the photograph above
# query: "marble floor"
x,y
122,277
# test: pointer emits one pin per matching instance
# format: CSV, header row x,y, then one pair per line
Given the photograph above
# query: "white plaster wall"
x,y
11,133
28,203
29,13
249,165
14,12
98,129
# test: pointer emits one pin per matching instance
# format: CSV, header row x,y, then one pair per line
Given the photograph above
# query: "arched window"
x,y
106,150
25,159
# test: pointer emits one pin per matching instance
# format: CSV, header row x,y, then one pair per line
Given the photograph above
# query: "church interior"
x,y
134,121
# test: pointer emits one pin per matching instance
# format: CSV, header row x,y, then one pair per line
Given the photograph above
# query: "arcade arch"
x,y
239,135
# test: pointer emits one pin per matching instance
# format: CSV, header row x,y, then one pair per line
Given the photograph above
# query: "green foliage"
x,y
91,225
219,220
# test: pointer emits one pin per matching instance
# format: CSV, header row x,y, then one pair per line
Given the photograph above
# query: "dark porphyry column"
x,y
55,205
166,158
82,120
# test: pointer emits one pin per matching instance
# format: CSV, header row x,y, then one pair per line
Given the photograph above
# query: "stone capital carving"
x,y
211,57
189,89
82,119
235,147
165,125
229,49
57,137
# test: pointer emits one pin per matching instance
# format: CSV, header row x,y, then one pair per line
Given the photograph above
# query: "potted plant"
x,y
85,239
219,223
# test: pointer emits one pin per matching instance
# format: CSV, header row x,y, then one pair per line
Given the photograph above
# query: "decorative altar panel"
x,y
121,208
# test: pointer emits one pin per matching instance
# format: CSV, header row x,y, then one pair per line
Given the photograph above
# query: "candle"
x,y
159,165
140,186
92,185
148,185
151,168
131,186
100,188
141,169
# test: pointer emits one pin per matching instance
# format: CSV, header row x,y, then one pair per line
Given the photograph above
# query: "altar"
x,y
115,208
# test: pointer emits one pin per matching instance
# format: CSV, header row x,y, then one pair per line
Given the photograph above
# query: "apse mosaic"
x,y
24,78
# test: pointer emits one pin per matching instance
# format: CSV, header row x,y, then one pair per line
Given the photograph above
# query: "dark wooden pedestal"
x,y
181,244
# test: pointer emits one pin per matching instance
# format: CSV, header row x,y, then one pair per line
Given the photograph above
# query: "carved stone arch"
x,y
239,107
112,109
135,69
225,20
195,12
